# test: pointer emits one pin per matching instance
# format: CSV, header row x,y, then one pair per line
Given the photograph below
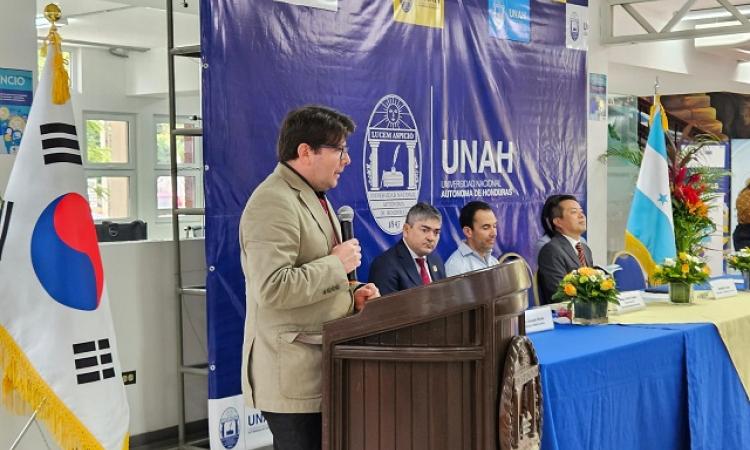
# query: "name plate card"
x,y
539,319
723,287
629,301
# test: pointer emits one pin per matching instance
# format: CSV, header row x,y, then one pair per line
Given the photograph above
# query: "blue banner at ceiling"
x,y
450,107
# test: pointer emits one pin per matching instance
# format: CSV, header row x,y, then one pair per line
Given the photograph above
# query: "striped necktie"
x,y
581,256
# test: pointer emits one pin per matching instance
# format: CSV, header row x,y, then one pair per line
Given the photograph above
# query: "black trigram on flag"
x,y
93,360
5,211
60,143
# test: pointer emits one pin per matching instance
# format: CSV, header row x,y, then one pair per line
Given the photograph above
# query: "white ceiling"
x,y
129,23
142,23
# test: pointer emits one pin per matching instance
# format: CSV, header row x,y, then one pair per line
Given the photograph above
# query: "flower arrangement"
x,y
690,194
588,285
740,260
687,269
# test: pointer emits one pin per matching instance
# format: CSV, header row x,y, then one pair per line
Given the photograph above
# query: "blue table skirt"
x,y
651,387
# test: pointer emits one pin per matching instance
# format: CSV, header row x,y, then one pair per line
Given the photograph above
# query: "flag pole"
x,y
28,424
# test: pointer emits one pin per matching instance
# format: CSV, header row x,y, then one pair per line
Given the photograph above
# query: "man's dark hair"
x,y
313,125
552,210
466,218
422,211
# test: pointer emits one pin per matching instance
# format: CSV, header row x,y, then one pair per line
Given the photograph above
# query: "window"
x,y
189,169
186,191
108,196
109,165
107,141
186,145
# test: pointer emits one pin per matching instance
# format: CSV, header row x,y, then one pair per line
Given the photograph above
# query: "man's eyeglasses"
x,y
341,149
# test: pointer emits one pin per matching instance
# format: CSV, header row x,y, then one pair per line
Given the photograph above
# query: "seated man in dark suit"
x,y
411,262
565,251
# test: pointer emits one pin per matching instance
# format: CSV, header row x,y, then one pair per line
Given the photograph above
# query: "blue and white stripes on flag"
x,y
649,234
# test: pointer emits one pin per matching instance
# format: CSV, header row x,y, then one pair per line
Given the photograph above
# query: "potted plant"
x,y
741,261
681,274
589,291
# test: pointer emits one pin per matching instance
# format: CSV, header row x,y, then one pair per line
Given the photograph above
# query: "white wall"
x,y
17,51
147,74
596,172
141,284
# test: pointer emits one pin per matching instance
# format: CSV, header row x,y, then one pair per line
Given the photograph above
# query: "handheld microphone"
x,y
345,215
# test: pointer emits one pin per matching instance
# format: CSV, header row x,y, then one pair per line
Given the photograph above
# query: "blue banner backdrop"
x,y
447,111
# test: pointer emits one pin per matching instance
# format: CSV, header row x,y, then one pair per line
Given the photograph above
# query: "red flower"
x,y
679,177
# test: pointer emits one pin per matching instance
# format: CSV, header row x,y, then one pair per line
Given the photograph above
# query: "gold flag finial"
x,y
52,13
60,80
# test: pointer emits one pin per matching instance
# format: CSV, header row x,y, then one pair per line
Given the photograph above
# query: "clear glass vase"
x,y
681,293
589,313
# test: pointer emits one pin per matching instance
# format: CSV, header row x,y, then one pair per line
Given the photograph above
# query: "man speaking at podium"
x,y
295,268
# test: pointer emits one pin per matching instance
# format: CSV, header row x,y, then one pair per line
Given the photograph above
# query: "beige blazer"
x,y
293,285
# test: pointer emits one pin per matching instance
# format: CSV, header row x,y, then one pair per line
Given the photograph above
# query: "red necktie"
x,y
423,270
581,256
324,204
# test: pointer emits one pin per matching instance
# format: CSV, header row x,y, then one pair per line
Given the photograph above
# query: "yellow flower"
x,y
657,269
606,285
570,290
685,268
586,271
683,256
583,279
707,270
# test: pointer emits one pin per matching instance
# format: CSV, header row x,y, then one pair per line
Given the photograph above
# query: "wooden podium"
x,y
422,368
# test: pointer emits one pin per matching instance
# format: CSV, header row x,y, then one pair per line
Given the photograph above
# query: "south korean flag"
x,y
58,351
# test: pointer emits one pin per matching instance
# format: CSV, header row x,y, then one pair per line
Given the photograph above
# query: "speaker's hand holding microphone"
x,y
348,251
350,255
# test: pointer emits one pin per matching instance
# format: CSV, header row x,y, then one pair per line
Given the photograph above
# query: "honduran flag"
x,y
58,351
649,234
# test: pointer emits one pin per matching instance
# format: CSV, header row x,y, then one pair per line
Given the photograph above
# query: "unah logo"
x,y
575,25
392,162
406,5
229,428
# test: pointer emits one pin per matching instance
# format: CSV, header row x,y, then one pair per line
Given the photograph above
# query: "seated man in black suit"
x,y
411,262
565,251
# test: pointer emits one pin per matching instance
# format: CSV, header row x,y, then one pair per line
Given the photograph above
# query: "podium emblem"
x,y
521,398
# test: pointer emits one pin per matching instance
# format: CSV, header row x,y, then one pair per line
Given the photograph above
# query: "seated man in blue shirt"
x,y
479,225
